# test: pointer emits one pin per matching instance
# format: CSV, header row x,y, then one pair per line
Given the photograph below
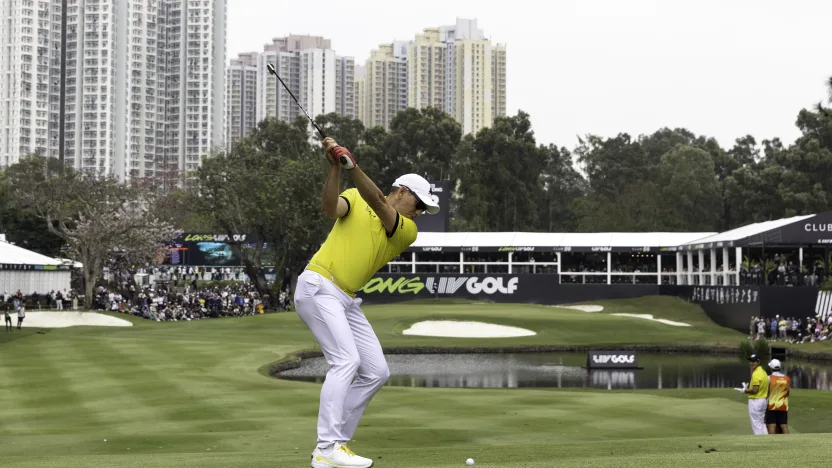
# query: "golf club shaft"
x,y
273,71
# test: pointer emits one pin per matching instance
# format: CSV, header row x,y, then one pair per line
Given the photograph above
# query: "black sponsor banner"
x,y
727,306
497,287
611,360
523,288
734,306
800,303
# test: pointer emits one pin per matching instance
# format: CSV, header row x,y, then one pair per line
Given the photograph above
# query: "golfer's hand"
x,y
330,143
343,156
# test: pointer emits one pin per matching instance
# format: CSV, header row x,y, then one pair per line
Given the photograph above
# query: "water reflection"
x,y
564,370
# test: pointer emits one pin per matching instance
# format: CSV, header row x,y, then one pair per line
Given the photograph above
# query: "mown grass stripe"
x,y
190,394
58,401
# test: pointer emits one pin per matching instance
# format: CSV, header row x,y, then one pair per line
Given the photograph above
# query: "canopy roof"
x,y
553,242
12,257
815,229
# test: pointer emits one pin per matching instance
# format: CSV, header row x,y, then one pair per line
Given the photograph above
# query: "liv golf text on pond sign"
x,y
611,360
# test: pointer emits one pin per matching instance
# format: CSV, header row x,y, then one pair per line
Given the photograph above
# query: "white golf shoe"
x,y
339,457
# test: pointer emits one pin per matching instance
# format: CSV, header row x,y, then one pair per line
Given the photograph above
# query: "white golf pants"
x,y
757,412
349,345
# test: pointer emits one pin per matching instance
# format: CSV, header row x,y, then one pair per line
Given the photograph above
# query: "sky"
x,y
723,69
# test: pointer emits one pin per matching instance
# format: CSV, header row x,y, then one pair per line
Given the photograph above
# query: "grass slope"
x,y
188,394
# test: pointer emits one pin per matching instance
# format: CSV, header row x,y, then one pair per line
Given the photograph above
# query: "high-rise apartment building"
x,y
472,91
30,78
317,81
195,38
475,76
143,88
453,68
360,90
426,72
498,81
307,65
385,84
242,96
463,29
345,98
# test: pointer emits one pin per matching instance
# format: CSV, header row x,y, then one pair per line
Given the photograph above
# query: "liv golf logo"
x,y
615,359
474,285
611,360
442,285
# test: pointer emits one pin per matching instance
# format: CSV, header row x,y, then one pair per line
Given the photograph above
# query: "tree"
x,y
346,131
689,192
499,177
22,227
370,155
622,185
423,141
180,207
267,186
97,217
562,189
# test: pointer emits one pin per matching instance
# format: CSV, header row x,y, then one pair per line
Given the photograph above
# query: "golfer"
x,y
8,319
757,391
779,387
370,230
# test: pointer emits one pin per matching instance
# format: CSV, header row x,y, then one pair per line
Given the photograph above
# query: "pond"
x,y
565,370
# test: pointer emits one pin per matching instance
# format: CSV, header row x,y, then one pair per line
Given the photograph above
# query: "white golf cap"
x,y
774,364
421,187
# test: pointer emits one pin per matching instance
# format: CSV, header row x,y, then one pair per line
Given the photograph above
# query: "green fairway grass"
x,y
193,394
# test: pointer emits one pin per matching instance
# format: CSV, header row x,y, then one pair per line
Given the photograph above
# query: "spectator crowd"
x,y
166,303
790,330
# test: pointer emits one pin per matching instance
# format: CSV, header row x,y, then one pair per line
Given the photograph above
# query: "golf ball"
x,y
469,462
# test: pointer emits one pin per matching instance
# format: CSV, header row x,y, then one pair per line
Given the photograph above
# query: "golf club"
x,y
274,72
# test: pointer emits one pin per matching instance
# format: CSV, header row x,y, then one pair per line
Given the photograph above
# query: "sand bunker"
x,y
597,308
584,308
455,329
650,317
70,319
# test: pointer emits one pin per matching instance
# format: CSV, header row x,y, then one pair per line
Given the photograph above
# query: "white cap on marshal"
x,y
421,187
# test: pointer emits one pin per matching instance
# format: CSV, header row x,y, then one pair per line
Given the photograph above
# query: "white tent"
x,y
29,272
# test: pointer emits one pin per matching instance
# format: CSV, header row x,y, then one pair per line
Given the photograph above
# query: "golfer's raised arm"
x,y
332,205
374,197
368,190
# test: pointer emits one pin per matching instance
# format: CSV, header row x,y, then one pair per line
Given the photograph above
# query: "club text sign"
x,y
611,360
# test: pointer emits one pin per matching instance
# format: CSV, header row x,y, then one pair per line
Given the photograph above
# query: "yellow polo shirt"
x,y
759,377
358,245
